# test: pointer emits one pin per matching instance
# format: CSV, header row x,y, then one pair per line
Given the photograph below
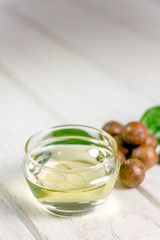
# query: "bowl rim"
x,y
68,171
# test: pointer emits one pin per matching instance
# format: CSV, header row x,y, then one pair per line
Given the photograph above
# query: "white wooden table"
x,y
76,61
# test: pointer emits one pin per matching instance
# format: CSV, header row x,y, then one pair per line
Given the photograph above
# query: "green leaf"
x,y
151,119
37,191
70,132
72,141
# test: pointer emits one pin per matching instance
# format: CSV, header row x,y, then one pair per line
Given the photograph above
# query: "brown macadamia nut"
x,y
151,140
113,128
146,154
132,172
121,144
134,133
121,156
119,140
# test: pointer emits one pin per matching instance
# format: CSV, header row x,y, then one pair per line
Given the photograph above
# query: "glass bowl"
x,y
71,169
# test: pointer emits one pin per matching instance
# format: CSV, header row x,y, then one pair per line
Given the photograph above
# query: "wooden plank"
x,y
150,187
14,223
129,55
10,225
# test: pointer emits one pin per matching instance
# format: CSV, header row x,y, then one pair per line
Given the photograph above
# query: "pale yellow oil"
x,y
76,184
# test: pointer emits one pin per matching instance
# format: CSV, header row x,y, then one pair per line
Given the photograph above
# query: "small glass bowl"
x,y
71,169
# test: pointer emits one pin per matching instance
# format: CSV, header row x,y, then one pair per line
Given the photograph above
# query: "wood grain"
x,y
10,225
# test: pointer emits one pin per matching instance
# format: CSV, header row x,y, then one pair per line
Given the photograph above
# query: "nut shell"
x,y
134,133
113,128
121,144
121,156
132,172
151,140
146,154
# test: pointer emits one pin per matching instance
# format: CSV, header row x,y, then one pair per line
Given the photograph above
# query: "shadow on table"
x,y
119,185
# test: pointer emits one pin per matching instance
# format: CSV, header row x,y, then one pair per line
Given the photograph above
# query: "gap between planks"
x,y
145,193
11,205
